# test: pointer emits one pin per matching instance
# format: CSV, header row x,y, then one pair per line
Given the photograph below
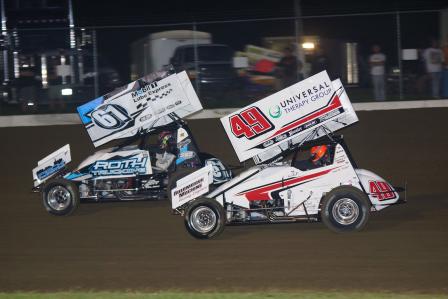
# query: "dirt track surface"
x,y
140,246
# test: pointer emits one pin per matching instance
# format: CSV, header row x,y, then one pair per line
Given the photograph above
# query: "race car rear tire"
x,y
205,218
345,209
60,197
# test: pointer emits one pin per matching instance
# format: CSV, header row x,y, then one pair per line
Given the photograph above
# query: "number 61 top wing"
x,y
141,104
284,115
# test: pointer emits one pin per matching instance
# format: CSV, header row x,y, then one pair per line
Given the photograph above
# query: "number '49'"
x,y
250,123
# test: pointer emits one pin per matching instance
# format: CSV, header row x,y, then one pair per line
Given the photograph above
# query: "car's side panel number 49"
x,y
110,117
250,123
381,190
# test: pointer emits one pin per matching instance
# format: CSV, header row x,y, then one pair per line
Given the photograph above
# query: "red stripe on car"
x,y
263,193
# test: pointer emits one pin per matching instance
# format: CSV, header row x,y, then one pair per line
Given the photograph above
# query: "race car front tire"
x,y
205,218
60,197
345,209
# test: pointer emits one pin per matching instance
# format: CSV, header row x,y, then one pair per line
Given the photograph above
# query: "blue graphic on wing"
x,y
88,107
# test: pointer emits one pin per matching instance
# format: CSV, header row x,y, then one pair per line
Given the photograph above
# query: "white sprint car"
x,y
275,190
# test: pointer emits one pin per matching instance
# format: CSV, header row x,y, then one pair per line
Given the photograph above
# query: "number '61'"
x,y
110,116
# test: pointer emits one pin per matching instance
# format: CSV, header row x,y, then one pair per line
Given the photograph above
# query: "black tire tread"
x,y
350,192
202,201
74,196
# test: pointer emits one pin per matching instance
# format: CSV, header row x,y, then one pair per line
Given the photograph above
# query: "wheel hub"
x,y
203,219
345,211
58,198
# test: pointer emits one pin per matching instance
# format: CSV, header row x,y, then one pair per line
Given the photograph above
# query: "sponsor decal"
x,y
331,110
145,117
275,111
49,170
191,186
155,98
381,190
183,192
250,123
305,97
119,167
151,184
150,91
187,155
268,143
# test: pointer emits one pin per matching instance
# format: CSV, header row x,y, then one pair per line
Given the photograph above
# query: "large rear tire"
x,y
60,197
205,218
345,209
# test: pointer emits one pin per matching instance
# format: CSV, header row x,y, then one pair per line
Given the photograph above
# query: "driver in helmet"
x,y
164,155
318,157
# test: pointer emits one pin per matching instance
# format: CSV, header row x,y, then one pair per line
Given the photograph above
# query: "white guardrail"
x,y
73,118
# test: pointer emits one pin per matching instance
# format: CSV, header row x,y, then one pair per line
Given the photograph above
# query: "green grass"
x,y
179,295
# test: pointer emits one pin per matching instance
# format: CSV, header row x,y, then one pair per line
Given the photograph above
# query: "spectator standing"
x,y
445,52
319,62
445,69
433,57
287,68
377,62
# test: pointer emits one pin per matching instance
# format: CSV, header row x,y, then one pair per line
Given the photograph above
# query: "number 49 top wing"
x,y
140,105
290,114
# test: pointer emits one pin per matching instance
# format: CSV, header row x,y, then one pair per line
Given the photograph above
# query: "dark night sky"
x,y
104,12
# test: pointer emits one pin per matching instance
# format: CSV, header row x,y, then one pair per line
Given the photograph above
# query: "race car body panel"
x,y
51,165
289,186
113,163
380,192
192,186
98,155
245,175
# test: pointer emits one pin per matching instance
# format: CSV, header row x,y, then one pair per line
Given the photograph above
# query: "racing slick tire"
x,y
172,181
345,209
205,218
60,197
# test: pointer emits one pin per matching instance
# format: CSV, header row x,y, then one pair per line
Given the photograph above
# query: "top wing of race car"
x,y
304,111
141,105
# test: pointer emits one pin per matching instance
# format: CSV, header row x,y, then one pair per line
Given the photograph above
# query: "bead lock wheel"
x,y
203,219
59,198
345,211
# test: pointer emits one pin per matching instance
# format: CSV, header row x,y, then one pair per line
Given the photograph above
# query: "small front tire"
x,y
60,197
205,218
345,209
